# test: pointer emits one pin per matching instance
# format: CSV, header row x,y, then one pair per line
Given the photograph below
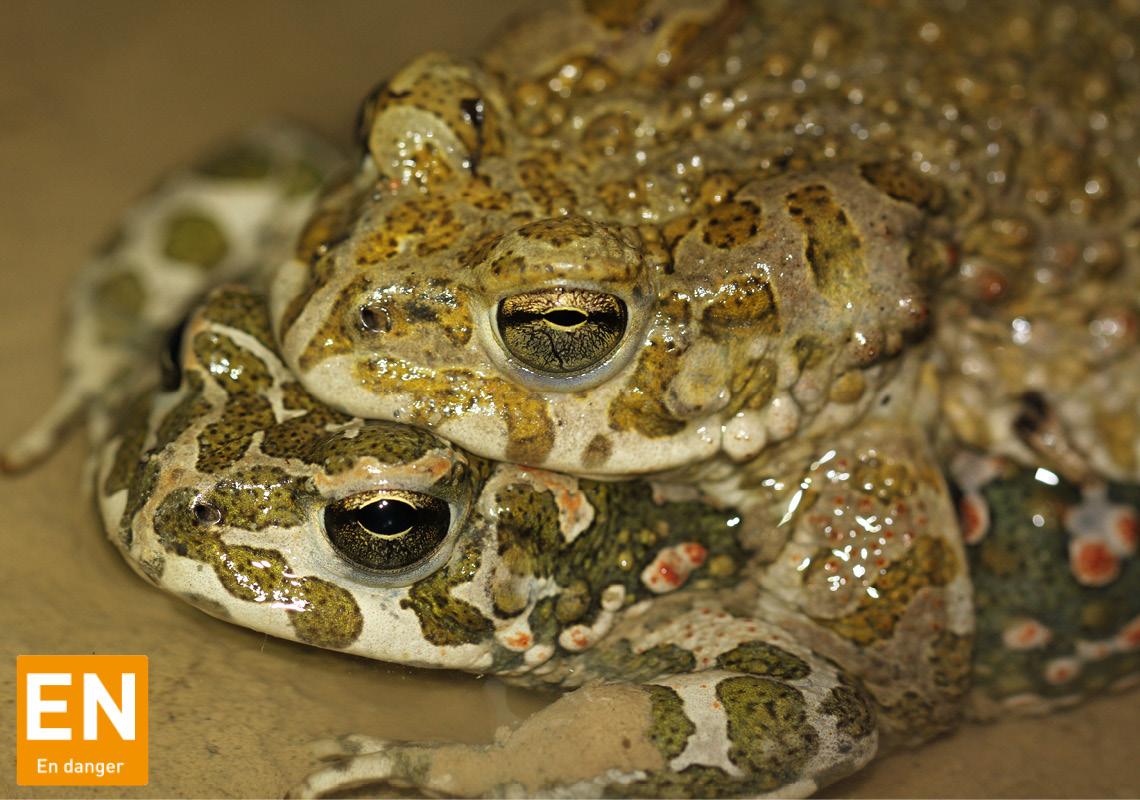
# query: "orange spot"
x,y
973,520
1028,634
1130,635
1126,531
1092,562
519,640
989,284
1061,674
438,467
697,553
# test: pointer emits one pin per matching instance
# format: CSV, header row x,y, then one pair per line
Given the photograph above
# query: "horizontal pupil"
x,y
565,317
386,517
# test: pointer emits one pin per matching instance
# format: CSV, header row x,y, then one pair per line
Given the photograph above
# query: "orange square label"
x,y
81,720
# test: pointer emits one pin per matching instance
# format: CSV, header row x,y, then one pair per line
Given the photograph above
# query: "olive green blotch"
x,y
117,303
669,729
249,162
387,442
331,617
132,427
543,620
257,497
619,661
768,728
573,603
236,162
253,499
640,406
229,365
221,444
244,377
297,437
240,308
444,618
189,409
762,658
852,709
144,481
917,716
302,177
194,238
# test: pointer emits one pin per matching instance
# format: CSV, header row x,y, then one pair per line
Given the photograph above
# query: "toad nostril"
x,y
375,319
206,513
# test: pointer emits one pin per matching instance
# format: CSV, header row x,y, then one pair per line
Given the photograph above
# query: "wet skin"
x,y
830,299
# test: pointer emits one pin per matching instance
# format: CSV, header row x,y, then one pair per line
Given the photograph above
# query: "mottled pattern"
x,y
851,709
754,171
767,725
798,269
1045,634
321,613
928,563
132,431
532,431
641,404
444,618
533,578
832,247
762,658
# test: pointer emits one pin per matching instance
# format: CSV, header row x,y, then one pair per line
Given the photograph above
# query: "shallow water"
x,y
94,102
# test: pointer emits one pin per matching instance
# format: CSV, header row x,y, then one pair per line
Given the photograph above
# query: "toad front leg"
x,y
233,216
734,709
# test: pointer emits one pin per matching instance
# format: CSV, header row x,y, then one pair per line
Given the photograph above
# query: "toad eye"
x,y
561,331
388,531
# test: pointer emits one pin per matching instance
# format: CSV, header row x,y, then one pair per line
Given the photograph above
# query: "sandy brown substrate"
x,y
95,101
